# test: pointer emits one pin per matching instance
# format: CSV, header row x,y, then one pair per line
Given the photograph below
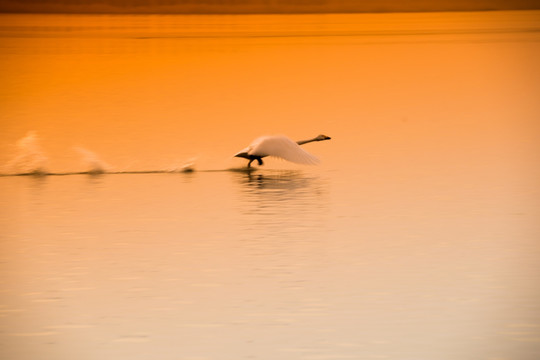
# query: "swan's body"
x,y
282,147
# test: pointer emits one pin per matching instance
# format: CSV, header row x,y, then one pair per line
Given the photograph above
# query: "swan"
x,y
282,147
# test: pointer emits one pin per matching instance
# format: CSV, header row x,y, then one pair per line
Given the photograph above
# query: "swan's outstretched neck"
x,y
318,138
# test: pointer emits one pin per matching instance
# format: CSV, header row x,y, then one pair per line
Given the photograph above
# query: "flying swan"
x,y
282,147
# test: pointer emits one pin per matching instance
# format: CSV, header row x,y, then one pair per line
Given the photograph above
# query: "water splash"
x,y
29,157
93,163
186,166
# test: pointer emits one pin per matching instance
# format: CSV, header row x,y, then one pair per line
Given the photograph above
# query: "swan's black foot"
x,y
259,161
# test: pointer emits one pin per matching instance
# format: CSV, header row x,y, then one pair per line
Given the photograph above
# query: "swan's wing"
x,y
282,147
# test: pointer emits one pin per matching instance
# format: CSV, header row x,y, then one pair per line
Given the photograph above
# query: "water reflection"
x,y
282,186
282,204
280,179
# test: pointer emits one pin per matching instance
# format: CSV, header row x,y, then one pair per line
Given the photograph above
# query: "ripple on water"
x,y
34,334
70,326
133,338
5,312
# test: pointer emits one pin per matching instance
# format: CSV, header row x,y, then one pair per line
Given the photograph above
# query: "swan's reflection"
x,y
285,180
282,203
285,185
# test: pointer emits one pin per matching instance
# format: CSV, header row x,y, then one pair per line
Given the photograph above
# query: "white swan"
x,y
282,147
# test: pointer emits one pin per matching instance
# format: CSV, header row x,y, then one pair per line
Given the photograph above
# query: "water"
x,y
416,238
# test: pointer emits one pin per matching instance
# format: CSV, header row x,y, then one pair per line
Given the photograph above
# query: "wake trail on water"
x,y
95,173
29,159
128,172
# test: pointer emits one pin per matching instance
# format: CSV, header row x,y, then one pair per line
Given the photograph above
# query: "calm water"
x,y
417,237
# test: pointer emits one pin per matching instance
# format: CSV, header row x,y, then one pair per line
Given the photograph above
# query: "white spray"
x,y
93,163
29,157
187,166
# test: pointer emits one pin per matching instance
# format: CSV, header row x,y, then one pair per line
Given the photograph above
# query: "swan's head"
x,y
322,137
